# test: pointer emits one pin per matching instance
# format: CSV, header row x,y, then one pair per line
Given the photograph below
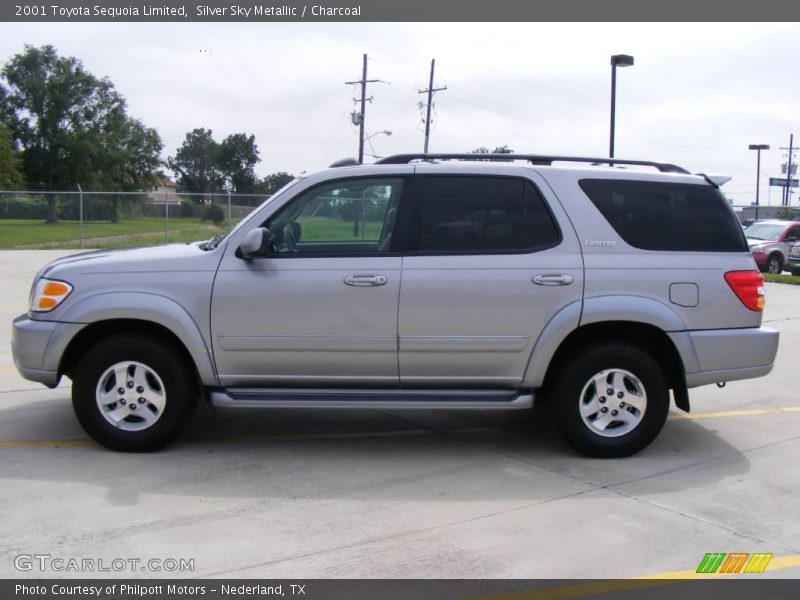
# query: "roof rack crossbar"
x,y
536,159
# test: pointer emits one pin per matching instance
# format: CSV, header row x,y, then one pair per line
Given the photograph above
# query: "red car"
x,y
769,241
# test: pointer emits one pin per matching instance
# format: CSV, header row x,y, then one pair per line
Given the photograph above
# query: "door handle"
x,y
553,279
365,280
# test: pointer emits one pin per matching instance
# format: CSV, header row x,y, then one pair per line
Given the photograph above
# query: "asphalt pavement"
x,y
383,494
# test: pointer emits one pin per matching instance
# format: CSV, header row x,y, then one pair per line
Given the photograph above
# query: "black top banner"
x,y
398,10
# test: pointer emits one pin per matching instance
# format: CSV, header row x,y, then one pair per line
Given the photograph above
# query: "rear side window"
x,y
654,215
481,215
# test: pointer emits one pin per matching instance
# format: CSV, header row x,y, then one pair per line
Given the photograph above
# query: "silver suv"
x,y
422,282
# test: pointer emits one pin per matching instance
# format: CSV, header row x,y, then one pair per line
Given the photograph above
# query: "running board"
x,y
359,398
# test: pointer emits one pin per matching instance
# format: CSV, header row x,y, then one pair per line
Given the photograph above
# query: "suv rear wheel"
x,y
611,399
133,393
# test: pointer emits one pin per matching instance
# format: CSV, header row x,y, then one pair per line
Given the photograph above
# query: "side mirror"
x,y
256,243
790,239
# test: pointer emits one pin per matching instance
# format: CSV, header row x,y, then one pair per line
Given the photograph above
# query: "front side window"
x,y
794,232
470,214
343,217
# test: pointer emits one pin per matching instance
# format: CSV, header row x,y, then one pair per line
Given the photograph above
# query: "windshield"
x,y
764,231
217,239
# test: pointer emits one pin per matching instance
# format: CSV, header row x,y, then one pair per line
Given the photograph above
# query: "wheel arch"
x,y
644,335
108,314
100,330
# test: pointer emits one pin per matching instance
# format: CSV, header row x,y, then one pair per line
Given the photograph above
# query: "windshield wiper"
x,y
213,242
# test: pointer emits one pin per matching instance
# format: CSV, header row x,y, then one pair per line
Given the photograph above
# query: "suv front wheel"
x,y
133,393
611,399
775,264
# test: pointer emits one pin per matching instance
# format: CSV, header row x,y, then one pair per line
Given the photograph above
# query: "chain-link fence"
x,y
102,219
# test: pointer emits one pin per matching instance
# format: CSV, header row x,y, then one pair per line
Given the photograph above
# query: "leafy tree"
x,y
504,149
204,165
10,164
238,155
73,127
274,181
128,159
196,163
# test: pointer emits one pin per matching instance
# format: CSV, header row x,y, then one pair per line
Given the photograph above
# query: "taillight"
x,y
748,287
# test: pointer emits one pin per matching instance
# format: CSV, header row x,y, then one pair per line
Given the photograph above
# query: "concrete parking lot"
x,y
379,494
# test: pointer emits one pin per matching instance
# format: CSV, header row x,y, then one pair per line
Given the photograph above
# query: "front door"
x,y
321,306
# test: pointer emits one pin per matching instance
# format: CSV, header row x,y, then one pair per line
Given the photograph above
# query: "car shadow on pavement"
x,y
359,454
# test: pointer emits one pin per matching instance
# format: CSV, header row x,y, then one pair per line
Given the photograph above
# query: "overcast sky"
x,y
697,95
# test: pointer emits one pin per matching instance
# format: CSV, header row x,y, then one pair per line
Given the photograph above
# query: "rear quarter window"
x,y
655,215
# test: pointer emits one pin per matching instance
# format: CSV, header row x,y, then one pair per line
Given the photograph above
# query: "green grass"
x,y
141,231
790,279
149,231
332,229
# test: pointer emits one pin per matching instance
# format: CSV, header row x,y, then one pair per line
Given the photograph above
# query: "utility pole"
x,y
363,82
430,91
787,193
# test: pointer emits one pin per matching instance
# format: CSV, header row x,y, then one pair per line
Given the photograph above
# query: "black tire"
x,y
579,368
166,361
774,264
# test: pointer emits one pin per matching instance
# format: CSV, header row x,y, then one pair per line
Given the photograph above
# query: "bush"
x,y
23,208
213,212
187,208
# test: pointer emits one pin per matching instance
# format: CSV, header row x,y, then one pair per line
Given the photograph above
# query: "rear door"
x,y
488,262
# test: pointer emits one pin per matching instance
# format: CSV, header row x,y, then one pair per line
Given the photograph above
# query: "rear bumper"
x,y
37,347
727,354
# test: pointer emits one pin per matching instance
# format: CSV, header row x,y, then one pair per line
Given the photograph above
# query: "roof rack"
x,y
536,159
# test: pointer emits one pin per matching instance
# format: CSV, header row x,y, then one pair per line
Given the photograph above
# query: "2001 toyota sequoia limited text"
x,y
422,281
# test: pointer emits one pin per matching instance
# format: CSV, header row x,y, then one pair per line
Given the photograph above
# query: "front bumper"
x,y
37,347
727,354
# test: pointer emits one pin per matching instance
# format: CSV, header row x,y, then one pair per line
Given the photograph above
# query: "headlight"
x,y
48,294
757,248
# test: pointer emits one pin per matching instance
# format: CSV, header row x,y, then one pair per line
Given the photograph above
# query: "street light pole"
x,y
618,60
369,137
758,148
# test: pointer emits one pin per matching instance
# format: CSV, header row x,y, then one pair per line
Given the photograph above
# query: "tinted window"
x,y
481,214
356,215
667,216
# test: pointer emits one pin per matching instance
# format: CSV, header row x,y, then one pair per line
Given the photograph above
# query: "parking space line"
x,y
581,590
735,413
